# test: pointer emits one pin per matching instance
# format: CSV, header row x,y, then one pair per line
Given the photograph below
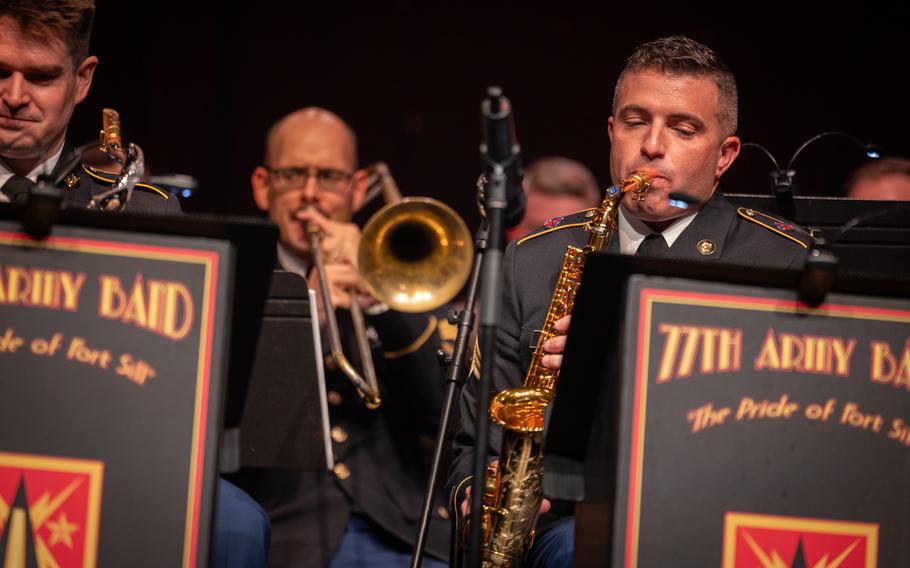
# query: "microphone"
x,y
682,200
500,148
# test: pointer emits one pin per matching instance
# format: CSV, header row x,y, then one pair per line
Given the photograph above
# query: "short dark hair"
x,y
874,169
71,19
555,175
682,55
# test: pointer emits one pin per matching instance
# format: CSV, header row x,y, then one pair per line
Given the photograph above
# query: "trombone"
x,y
415,255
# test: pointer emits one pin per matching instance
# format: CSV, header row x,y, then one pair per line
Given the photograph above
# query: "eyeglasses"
x,y
331,180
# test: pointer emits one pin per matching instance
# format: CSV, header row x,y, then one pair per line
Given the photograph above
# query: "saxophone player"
x,y
674,115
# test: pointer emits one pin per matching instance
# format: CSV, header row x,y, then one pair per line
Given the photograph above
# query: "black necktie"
x,y
653,245
17,188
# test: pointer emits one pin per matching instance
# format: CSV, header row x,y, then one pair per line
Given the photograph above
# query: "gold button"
x,y
442,512
589,214
749,212
334,398
338,434
342,471
706,247
71,181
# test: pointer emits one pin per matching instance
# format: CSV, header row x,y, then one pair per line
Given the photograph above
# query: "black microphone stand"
x,y
455,374
502,165
41,208
495,204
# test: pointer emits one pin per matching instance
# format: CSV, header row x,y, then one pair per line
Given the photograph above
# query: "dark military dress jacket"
x,y
719,233
83,182
86,182
381,456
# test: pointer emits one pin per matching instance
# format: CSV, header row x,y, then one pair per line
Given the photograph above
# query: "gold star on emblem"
x,y
62,531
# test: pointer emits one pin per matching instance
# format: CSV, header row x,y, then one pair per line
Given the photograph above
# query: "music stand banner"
x,y
757,431
111,382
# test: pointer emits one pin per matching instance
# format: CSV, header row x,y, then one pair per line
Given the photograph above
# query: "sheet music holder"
x,y
589,430
135,330
285,419
880,245
254,242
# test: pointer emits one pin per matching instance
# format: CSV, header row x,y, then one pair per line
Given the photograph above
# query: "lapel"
x,y
81,194
613,247
711,225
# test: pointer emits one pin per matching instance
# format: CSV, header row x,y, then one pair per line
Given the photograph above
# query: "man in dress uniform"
x,y
45,71
674,115
365,512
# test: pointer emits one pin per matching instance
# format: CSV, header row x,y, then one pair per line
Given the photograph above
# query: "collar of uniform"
x,y
292,262
46,167
713,223
633,231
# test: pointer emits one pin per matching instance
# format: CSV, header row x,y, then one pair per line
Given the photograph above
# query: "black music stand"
x,y
135,329
285,419
876,245
650,454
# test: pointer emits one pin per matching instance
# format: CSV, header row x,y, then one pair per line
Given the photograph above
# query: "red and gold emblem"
x,y
49,511
768,541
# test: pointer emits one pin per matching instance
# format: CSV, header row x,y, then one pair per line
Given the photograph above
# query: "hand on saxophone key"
x,y
466,503
556,344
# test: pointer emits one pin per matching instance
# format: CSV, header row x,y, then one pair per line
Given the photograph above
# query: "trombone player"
x,y
366,511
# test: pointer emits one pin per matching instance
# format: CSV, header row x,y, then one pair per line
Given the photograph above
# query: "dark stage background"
x,y
197,85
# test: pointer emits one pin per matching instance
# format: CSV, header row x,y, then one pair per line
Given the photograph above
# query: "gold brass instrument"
x,y
368,387
513,488
415,255
131,160
111,141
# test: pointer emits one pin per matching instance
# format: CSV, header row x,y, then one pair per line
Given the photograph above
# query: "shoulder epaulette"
x,y
109,178
577,219
775,225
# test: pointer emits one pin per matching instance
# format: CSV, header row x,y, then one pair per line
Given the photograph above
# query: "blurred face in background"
x,y
311,164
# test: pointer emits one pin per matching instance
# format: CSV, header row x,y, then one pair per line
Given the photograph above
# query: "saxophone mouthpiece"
x,y
638,183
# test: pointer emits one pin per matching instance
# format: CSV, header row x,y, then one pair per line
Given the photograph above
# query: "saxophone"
x,y
131,160
513,487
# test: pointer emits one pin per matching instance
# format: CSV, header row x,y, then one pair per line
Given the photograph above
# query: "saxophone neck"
x,y
601,226
603,223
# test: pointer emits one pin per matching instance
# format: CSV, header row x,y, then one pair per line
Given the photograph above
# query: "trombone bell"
x,y
415,255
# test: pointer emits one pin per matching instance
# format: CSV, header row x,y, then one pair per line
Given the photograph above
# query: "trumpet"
x,y
415,255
